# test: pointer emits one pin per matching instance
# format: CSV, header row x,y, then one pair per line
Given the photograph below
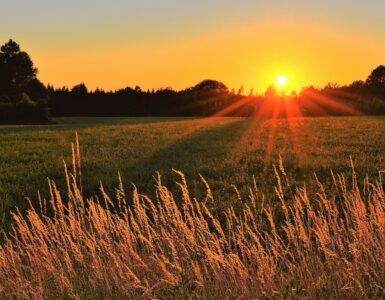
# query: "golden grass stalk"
x,y
131,246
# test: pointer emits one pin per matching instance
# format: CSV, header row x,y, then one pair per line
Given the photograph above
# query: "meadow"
x,y
267,218
227,152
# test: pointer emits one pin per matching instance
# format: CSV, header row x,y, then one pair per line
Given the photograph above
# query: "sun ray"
x,y
296,124
234,106
331,105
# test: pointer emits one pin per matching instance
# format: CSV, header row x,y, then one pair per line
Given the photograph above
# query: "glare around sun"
x,y
281,81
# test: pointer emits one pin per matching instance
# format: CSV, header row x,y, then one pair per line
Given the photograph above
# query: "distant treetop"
x,y
210,84
80,90
10,48
377,77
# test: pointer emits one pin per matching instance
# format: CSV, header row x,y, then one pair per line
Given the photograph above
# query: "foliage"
x,y
377,77
16,69
23,98
209,84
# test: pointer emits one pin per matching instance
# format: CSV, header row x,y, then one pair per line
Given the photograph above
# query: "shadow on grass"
x,y
77,123
203,152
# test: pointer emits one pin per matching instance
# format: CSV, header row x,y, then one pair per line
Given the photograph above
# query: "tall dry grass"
x,y
130,246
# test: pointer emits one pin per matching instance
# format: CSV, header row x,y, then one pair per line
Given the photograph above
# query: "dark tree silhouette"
x,y
210,84
241,90
377,78
80,90
36,90
23,98
271,92
357,85
16,70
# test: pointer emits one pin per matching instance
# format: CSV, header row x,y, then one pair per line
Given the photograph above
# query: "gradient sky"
x,y
159,43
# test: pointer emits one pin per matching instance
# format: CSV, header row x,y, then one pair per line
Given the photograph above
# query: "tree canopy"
x,y
23,98
210,84
16,69
377,77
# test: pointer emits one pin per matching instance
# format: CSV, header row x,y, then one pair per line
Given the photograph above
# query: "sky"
x,y
177,43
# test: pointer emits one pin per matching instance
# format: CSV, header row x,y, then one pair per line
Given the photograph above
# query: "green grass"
x,y
226,151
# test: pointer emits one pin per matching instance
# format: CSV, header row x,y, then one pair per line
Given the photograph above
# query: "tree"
x,y
377,78
16,70
36,90
209,84
23,98
331,86
80,90
309,90
271,91
357,85
241,90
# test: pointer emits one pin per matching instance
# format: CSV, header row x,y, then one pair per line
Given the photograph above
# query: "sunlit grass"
x,y
225,151
124,244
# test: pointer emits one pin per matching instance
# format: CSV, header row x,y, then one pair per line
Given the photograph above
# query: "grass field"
x,y
265,239
225,151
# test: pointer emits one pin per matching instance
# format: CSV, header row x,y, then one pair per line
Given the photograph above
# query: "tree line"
x,y
24,99
204,99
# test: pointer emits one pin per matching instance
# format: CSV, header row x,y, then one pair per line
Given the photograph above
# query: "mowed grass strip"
x,y
226,151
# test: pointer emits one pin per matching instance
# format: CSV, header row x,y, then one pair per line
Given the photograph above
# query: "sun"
x,y
281,81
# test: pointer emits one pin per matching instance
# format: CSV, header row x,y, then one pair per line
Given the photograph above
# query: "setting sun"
x,y
281,81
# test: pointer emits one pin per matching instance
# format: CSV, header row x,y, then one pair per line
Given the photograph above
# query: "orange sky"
x,y
250,52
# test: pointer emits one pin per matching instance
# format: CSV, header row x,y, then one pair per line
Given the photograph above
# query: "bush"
x,y
24,111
